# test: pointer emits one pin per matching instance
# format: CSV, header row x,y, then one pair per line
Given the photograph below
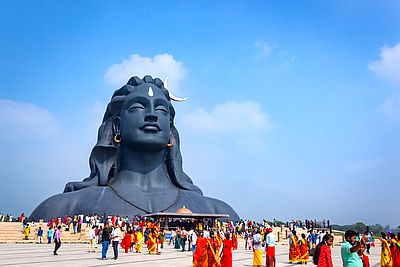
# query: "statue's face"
x,y
145,119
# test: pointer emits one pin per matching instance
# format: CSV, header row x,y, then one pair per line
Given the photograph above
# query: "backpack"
x,y
316,254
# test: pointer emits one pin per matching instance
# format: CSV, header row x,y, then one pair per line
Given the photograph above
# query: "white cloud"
x,y
18,117
391,108
230,117
37,149
388,66
264,48
160,66
287,60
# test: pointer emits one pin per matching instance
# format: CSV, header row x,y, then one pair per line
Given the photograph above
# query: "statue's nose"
x,y
151,118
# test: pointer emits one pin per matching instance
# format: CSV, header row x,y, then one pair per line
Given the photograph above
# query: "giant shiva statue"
x,y
136,164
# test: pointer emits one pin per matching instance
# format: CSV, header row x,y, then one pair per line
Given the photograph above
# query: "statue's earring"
x,y
171,141
117,138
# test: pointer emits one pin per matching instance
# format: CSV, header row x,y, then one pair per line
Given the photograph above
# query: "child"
x,y
363,257
40,234
49,235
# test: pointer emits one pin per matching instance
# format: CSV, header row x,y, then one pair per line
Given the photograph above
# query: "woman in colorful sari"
x,y
395,249
303,249
126,241
234,241
218,243
213,250
294,250
200,254
322,256
177,240
152,242
386,255
226,254
257,248
138,240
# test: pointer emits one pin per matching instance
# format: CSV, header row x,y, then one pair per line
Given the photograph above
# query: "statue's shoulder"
x,y
76,202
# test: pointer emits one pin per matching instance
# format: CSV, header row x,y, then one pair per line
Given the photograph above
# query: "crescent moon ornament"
x,y
177,99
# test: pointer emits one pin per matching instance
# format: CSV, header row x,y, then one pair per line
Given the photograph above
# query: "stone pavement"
x,y
77,255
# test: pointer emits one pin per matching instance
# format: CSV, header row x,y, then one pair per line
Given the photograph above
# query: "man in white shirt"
x,y
116,235
270,248
194,240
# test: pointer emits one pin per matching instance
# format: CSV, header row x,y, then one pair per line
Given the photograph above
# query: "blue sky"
x,y
293,110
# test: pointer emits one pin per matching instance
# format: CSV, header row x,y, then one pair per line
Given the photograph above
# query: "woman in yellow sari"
x,y
152,243
386,255
294,250
138,241
303,249
257,248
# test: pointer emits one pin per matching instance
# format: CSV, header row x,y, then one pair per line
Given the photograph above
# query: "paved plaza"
x,y
78,255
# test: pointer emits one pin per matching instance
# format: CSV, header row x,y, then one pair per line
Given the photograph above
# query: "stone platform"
x,y
78,255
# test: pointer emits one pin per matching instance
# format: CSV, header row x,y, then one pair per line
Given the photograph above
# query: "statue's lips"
x,y
150,127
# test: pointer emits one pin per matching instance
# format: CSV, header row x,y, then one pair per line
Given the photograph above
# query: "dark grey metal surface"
x,y
139,174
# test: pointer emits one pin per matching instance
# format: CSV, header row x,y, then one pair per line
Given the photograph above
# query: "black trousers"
x,y
368,246
183,240
57,245
115,248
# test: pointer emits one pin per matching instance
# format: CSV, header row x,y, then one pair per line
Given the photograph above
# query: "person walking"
x,y
105,241
367,237
294,248
92,238
226,254
304,249
57,239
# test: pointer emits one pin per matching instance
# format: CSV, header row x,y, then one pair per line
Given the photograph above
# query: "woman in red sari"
x,y
303,249
234,241
226,257
395,250
127,241
323,250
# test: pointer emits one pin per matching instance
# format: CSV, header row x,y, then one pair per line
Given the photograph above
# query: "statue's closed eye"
x,y
161,108
135,106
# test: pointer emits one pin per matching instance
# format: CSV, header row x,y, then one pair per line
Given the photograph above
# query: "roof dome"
x,y
183,210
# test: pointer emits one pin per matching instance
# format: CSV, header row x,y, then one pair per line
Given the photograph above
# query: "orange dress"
x,y
200,256
294,251
152,243
303,250
213,252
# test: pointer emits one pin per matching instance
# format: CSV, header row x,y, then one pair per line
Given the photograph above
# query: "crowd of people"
x,y
212,245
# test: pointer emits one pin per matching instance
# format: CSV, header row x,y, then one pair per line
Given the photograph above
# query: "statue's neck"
x,y
156,179
140,161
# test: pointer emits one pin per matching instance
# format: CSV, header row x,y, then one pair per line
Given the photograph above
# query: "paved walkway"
x,y
77,255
